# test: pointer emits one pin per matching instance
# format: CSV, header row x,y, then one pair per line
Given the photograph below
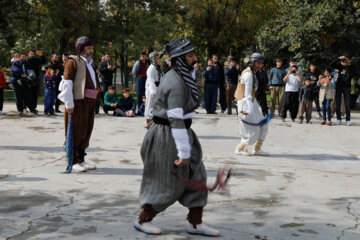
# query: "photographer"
x,y
292,83
35,63
210,88
232,73
343,85
23,92
59,71
106,71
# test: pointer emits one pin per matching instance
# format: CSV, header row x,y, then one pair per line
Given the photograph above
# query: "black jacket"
x,y
306,93
314,79
346,73
263,81
221,74
106,75
35,63
55,67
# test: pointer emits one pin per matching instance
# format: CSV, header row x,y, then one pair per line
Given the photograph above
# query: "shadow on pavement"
x,y
54,149
312,157
139,172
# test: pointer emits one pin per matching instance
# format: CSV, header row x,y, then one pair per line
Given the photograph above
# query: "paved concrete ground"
x,y
308,188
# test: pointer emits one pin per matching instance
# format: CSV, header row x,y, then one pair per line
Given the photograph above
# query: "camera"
x,y
343,60
293,71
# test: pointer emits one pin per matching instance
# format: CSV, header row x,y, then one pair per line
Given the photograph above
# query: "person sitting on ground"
x,y
141,109
50,91
127,104
111,101
327,90
306,97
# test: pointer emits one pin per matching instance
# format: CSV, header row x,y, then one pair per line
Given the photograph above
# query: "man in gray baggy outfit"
x,y
169,141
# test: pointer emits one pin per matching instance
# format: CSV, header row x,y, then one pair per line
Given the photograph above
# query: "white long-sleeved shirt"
x,y
152,77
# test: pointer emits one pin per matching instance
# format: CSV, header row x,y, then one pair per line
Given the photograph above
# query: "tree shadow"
x,y
321,157
139,172
13,178
54,149
215,137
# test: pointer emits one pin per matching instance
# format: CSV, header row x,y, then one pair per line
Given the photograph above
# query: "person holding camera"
x,y
292,82
314,77
210,88
23,92
343,85
106,72
35,63
232,73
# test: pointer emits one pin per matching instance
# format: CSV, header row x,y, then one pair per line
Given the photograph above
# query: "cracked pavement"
x,y
308,188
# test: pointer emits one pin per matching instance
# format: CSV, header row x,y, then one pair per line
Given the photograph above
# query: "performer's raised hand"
x,y
181,162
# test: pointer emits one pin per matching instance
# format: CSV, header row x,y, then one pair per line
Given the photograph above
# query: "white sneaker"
x,y
2,113
338,122
78,168
244,153
202,229
146,227
348,123
88,166
260,153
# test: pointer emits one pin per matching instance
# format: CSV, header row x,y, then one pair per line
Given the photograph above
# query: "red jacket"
x,y
2,80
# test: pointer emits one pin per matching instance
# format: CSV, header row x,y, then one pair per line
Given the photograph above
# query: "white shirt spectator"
x,y
292,84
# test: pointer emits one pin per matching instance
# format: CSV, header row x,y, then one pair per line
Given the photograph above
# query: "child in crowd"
x,y
50,91
141,110
306,97
127,104
2,90
327,90
111,101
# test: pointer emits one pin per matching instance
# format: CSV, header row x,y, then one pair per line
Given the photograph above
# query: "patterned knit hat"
x,y
178,47
81,43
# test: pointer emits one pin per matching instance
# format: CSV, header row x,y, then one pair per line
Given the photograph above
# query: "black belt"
x,y
163,121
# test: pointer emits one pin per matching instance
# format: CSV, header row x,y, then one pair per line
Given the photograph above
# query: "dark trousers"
x,y
326,109
291,103
57,101
317,102
305,107
230,90
35,94
339,92
140,89
222,98
261,98
1,98
210,92
83,123
24,97
49,100
108,108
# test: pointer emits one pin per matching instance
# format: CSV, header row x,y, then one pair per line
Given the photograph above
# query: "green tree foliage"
x,y
218,26
312,31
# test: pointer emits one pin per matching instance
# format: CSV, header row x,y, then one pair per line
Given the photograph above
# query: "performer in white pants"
x,y
253,124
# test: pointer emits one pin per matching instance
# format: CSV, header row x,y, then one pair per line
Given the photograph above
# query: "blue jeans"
x,y
326,109
140,89
49,100
339,92
211,92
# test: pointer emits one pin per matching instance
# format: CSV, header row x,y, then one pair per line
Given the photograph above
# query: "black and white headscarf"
x,y
152,57
187,77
